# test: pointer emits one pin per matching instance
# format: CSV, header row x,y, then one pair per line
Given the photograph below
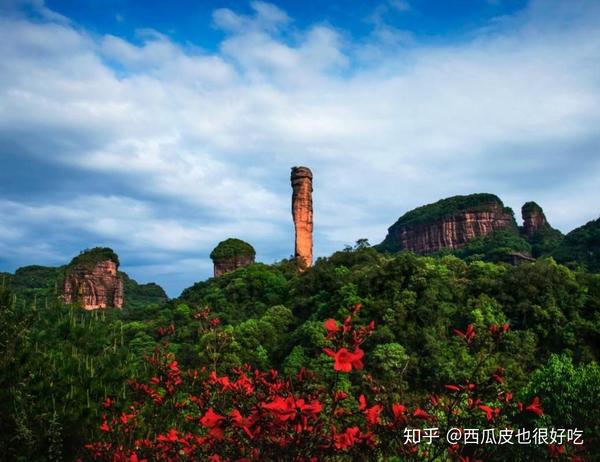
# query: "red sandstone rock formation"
x,y
452,232
94,287
228,265
533,218
302,212
230,255
448,224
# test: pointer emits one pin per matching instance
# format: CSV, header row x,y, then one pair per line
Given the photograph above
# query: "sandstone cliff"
x,y
533,219
302,211
448,224
92,280
230,255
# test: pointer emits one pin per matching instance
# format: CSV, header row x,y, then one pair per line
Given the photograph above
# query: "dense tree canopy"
x,y
60,363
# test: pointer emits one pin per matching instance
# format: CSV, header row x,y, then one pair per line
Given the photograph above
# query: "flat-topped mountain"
x,y
479,226
449,224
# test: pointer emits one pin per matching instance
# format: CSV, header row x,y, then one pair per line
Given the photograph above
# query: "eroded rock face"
x,y
231,264
448,224
94,287
451,232
302,211
533,218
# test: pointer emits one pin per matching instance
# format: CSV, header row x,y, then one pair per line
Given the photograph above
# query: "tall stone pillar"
x,y
302,211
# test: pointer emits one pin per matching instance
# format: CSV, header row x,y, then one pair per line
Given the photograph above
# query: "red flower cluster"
x,y
250,415
350,356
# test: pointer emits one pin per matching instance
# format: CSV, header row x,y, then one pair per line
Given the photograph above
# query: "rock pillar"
x,y
302,211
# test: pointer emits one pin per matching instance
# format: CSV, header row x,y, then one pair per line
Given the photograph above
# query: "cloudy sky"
x,y
161,130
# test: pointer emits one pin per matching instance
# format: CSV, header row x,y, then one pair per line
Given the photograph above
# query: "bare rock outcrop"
x,y
302,211
92,280
448,224
533,219
230,255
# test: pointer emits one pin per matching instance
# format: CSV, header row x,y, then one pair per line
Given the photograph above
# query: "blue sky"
x,y
161,128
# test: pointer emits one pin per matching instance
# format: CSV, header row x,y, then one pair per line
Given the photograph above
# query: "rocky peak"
x,y
533,218
448,224
230,255
92,280
302,212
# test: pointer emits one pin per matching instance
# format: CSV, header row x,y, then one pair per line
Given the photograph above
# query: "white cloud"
x,y
266,17
386,123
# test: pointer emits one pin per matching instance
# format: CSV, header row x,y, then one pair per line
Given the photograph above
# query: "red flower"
x,y
489,412
535,407
223,381
170,437
104,427
498,330
398,411
362,403
340,395
331,326
346,439
468,335
312,408
211,419
346,360
421,414
452,387
372,414
282,407
124,418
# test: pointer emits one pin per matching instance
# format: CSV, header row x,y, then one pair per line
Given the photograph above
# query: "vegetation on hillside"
x,y
90,257
140,296
64,362
494,247
451,205
581,246
232,248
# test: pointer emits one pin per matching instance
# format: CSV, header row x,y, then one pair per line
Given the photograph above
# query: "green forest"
x,y
61,365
